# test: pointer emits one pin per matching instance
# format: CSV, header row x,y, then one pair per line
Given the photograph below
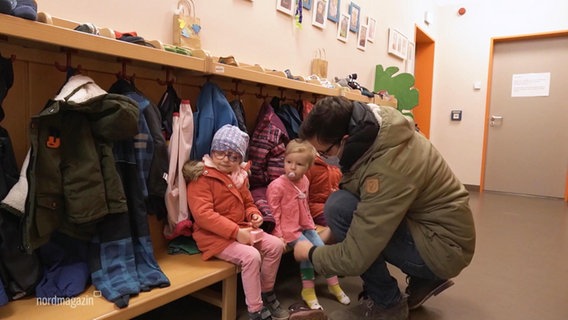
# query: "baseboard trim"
x,y
471,187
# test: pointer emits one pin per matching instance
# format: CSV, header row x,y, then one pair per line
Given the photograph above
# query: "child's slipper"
x,y
300,311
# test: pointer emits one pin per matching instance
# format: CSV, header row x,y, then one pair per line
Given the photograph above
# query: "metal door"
x,y
527,143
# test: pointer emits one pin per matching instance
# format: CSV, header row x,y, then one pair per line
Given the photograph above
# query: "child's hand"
x,y
243,236
256,220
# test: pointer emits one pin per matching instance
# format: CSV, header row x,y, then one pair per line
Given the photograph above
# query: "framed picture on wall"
x,y
333,10
354,12
343,27
307,4
371,23
319,14
397,44
362,38
285,6
409,68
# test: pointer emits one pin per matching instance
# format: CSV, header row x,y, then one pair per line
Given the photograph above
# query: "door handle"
x,y
493,118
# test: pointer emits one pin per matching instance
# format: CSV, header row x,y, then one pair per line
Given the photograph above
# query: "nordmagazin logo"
x,y
72,302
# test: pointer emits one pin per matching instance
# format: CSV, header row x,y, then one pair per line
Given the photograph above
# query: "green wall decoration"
x,y
401,86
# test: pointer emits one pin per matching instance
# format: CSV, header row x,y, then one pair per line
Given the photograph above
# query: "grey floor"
x,y
519,271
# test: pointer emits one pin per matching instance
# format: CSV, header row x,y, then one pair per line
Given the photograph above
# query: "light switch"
x,y
477,85
456,115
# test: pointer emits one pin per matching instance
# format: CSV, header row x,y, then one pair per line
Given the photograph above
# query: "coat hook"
x,y
68,66
236,92
13,57
122,74
282,97
259,94
168,81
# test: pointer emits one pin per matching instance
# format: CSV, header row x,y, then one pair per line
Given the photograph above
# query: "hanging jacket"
x,y
20,271
169,104
72,173
289,116
8,167
180,147
239,111
266,153
150,148
6,80
213,112
324,180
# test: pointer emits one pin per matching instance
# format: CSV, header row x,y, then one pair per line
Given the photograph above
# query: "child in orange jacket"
x,y
224,217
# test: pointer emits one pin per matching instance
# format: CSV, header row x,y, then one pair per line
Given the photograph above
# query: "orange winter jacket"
x,y
324,179
218,208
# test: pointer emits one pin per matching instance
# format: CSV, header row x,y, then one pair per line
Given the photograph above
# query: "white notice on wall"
x,y
531,85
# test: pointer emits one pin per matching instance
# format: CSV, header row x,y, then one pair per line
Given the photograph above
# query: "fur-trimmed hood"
x,y
192,169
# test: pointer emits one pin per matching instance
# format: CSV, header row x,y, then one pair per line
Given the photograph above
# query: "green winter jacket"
x,y
402,177
73,181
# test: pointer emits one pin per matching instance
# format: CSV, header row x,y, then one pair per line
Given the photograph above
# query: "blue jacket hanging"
x,y
213,112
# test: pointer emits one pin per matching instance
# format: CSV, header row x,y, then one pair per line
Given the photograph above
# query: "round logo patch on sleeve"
x,y
372,185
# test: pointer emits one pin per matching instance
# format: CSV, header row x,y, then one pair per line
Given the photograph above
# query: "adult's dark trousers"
x,y
400,251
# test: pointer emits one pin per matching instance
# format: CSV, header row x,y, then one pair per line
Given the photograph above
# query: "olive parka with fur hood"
x,y
401,176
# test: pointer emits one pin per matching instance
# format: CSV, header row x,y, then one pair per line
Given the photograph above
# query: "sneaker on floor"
x,y
273,305
368,310
420,290
263,314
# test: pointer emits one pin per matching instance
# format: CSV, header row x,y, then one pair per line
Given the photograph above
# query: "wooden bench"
x,y
188,274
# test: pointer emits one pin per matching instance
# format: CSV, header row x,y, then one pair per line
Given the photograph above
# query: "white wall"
x,y
462,57
254,32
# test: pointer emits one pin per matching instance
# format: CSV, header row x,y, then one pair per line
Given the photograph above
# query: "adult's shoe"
x,y
368,310
420,290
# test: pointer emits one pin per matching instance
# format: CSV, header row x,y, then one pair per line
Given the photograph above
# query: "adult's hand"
x,y
301,250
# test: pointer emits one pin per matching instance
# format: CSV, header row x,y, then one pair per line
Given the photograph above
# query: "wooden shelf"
x,y
269,79
32,33
55,38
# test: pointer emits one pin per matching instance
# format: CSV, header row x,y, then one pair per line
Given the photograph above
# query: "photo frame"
x,y
343,27
333,10
355,13
397,44
319,14
362,37
411,57
307,4
371,22
285,6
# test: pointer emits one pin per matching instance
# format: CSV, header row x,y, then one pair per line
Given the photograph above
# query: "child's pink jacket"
x,y
289,208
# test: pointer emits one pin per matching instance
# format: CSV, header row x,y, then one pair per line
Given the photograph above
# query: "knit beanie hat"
x,y
230,137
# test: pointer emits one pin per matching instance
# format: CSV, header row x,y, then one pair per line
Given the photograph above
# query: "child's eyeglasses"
x,y
232,156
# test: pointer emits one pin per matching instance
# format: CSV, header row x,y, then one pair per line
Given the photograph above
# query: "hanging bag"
x,y
319,64
186,26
